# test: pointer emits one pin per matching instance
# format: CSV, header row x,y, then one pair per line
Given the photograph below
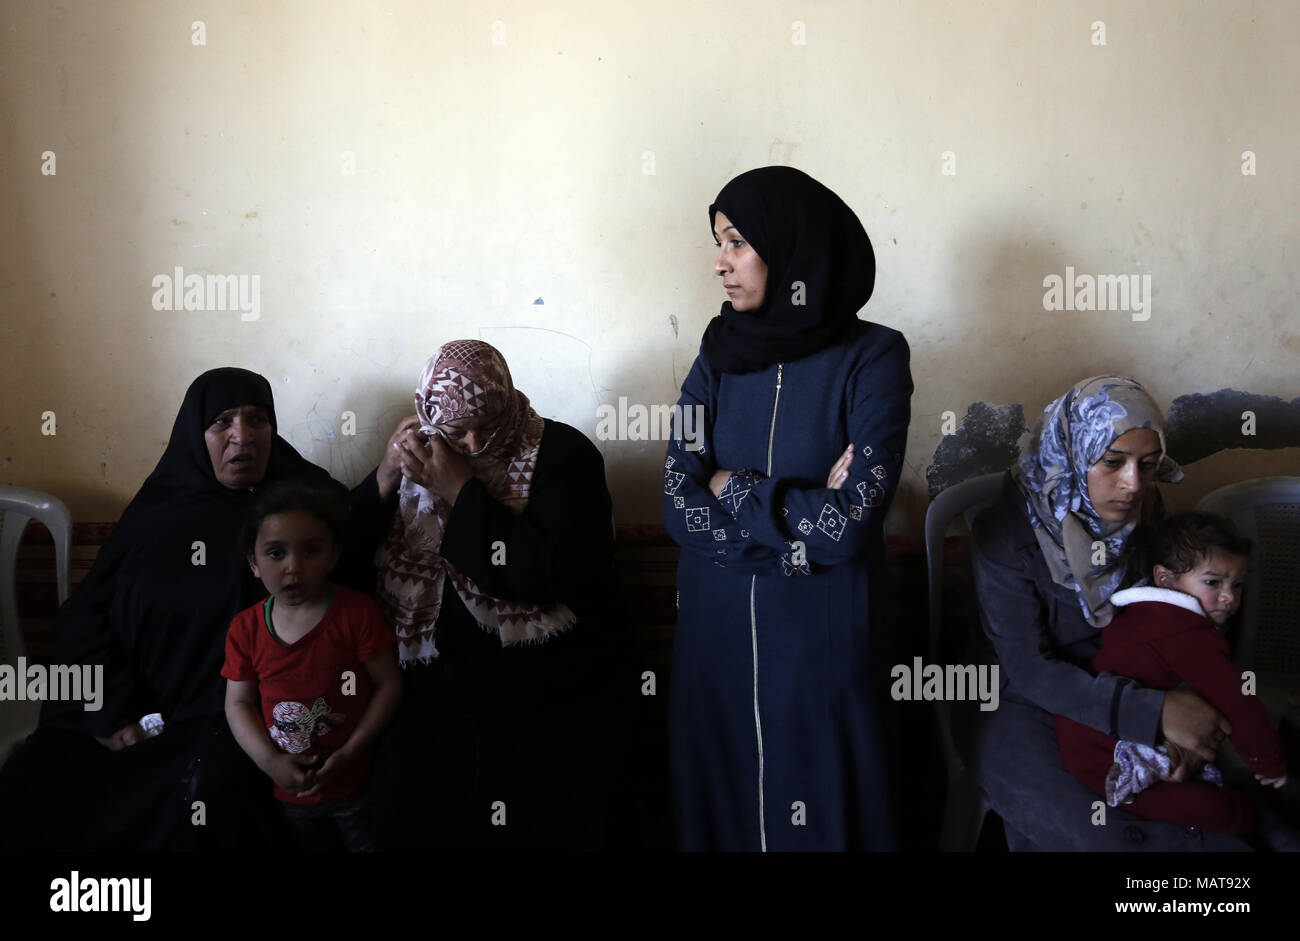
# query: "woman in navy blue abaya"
x,y
782,733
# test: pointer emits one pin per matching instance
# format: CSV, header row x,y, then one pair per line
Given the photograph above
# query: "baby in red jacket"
x,y
1162,636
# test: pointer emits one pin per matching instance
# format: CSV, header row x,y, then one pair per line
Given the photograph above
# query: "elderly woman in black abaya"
x,y
154,611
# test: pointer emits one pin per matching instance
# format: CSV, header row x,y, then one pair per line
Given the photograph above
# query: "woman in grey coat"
x,y
1047,560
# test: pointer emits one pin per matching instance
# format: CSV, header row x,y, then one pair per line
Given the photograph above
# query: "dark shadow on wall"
x,y
1198,425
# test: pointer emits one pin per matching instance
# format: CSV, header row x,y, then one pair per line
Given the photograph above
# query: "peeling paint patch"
x,y
1200,425
1196,426
985,443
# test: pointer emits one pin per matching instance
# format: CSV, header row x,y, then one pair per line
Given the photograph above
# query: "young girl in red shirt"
x,y
312,670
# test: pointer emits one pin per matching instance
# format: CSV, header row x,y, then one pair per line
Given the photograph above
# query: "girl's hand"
x,y
718,481
840,469
433,466
292,773
389,474
124,737
1189,721
334,766
1271,782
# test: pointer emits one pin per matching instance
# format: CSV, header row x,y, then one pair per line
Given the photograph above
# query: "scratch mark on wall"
x,y
591,378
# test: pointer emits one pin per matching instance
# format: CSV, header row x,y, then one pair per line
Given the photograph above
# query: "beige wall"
x,y
488,175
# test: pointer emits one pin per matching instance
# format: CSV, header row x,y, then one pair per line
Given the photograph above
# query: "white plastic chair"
x,y
17,507
966,806
1266,511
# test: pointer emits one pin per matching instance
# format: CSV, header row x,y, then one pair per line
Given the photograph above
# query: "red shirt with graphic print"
x,y
315,690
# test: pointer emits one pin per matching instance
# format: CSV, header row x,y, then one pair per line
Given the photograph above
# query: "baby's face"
x,y
1215,581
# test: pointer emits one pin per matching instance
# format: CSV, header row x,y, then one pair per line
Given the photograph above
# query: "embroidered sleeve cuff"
x,y
737,489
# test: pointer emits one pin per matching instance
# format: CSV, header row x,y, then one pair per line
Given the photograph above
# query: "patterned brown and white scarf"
x,y
463,379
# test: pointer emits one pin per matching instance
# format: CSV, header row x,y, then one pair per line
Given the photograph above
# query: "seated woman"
x,y
1047,559
154,611
495,573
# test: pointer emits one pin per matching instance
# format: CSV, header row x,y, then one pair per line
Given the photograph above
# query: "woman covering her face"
x,y
1047,560
494,574
153,612
781,727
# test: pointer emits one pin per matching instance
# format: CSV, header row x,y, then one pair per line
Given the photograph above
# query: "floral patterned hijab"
x,y
1068,438
463,379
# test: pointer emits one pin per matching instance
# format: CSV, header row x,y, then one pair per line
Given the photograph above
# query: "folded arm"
x,y
837,524
696,519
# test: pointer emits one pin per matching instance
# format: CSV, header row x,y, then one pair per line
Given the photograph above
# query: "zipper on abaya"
x,y
753,633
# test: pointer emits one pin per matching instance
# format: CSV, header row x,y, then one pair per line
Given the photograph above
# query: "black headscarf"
x,y
184,473
147,611
803,232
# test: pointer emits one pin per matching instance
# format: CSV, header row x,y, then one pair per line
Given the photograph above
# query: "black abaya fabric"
x,y
543,728
153,616
155,613
821,270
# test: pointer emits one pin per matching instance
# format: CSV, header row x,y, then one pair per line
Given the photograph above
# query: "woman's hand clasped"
x,y
124,737
1191,723
389,474
1184,766
434,466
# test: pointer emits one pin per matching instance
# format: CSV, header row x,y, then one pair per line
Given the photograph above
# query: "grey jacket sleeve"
x,y
1023,612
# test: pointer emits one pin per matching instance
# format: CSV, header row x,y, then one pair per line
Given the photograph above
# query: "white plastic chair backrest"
x,y
17,506
1266,511
965,499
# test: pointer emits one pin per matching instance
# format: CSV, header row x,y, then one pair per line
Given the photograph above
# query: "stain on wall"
x,y
985,442
1196,426
1200,425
